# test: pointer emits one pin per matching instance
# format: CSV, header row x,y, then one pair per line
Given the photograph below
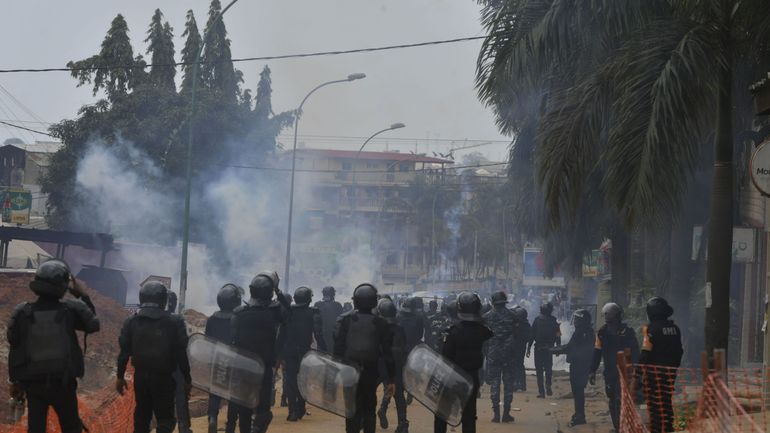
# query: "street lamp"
x,y
358,154
297,114
186,230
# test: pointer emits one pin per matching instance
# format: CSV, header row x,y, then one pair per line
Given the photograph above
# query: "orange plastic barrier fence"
x,y
720,411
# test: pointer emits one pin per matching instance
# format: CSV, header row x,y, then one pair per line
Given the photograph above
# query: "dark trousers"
x,y
182,406
215,402
366,402
658,393
62,397
500,373
578,378
469,411
398,396
262,414
612,388
519,371
154,394
293,397
543,367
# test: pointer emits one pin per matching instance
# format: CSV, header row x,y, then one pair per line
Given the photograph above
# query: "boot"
x,y
212,424
402,428
292,416
507,416
576,420
548,391
409,399
383,416
496,414
284,403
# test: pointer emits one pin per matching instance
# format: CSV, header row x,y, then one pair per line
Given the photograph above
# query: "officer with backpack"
x,y
330,310
579,351
545,335
255,329
156,342
218,327
387,310
500,356
45,359
304,325
362,339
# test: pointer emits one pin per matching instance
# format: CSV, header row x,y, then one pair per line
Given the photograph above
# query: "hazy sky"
x,y
429,89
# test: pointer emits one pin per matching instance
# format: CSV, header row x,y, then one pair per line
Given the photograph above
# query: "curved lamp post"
x,y
297,114
186,230
358,154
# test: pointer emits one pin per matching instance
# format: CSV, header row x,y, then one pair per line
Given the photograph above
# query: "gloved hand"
x,y
592,378
187,390
391,390
120,385
16,392
76,287
529,352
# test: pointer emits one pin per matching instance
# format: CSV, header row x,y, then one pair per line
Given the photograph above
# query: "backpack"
x,y
151,344
363,339
48,342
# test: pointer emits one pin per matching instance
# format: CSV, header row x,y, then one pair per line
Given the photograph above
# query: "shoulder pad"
x,y
75,304
22,307
238,309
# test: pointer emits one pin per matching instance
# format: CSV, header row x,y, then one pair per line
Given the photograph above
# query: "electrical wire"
x,y
253,59
21,105
25,128
309,170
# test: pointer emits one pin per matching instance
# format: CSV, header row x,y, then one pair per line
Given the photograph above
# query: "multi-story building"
x,y
353,221
24,165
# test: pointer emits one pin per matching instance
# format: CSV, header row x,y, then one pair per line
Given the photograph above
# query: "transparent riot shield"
x,y
437,383
224,370
328,384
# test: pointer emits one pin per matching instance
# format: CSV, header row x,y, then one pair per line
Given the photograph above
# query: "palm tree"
x,y
630,90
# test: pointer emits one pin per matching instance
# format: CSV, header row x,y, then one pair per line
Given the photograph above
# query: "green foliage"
x,y
160,39
190,53
218,71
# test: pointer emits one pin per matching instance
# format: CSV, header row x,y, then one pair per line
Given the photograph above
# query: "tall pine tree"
x,y
116,51
218,70
267,125
160,38
190,52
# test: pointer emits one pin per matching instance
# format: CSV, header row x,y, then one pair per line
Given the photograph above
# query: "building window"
x,y
391,259
371,165
403,167
347,166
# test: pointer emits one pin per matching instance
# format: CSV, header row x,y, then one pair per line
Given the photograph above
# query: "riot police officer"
x,y
579,351
362,339
438,324
255,328
463,345
218,327
545,335
45,359
500,355
387,310
302,327
613,337
521,338
661,348
156,342
330,310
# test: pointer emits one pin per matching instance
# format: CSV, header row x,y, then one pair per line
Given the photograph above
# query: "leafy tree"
x,y
218,70
160,39
266,124
190,53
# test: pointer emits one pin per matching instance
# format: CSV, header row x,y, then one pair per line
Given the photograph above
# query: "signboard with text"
x,y
17,204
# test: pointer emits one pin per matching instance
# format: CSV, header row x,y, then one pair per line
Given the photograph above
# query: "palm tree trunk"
x,y
717,327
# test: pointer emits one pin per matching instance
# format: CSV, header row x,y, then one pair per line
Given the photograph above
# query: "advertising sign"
x,y
759,168
744,244
17,204
592,263
534,270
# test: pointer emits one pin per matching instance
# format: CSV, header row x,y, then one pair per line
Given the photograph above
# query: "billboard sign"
x,y
759,168
17,205
534,270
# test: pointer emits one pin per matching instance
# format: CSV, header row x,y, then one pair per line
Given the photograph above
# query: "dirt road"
x,y
533,415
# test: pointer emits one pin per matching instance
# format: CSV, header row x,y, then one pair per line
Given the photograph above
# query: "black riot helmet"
x,y
658,308
387,310
612,312
229,297
581,318
365,297
520,313
407,305
546,309
263,285
469,307
153,294
52,279
171,302
499,298
432,306
303,296
418,305
328,293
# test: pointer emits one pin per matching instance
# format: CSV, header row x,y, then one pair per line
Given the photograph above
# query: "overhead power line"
x,y
24,128
311,170
252,59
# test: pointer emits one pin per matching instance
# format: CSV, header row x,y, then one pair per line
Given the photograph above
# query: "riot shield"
x,y
328,383
437,383
224,370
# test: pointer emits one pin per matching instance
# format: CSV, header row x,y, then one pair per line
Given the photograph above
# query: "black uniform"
x,y
218,327
362,338
156,342
330,310
398,348
255,329
580,351
661,346
545,335
523,335
50,383
463,345
500,356
610,341
303,325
